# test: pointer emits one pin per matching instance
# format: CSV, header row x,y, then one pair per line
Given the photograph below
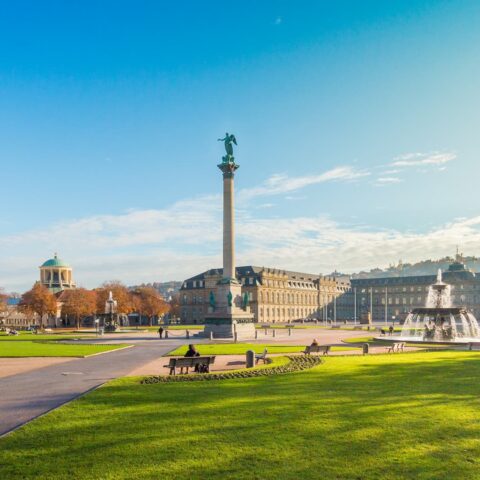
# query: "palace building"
x,y
391,298
274,295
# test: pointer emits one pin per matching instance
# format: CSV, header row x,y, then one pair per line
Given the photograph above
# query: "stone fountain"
x,y
439,321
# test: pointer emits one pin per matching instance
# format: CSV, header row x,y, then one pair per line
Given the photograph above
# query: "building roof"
x,y
55,262
250,270
455,273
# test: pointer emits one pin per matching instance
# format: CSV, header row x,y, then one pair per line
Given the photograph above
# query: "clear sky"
x,y
357,124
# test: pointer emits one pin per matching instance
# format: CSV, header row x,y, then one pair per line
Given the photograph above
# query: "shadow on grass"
x,y
379,417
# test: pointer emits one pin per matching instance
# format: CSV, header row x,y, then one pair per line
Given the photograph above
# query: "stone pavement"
x,y
14,366
30,394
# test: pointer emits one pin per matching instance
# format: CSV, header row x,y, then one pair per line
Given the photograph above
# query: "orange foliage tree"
x,y
150,302
40,301
79,303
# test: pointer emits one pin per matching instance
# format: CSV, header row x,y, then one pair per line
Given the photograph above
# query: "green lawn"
x,y
45,336
241,348
385,341
404,416
51,349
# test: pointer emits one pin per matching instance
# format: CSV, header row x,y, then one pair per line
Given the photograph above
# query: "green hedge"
x,y
294,364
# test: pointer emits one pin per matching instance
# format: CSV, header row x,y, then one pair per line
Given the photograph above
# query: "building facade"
x,y
56,275
393,298
274,295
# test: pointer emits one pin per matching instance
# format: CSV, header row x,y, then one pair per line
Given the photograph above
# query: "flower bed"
x,y
294,364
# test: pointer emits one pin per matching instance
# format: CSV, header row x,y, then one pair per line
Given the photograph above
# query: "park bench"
x,y
261,356
324,349
203,364
335,327
473,345
358,328
395,347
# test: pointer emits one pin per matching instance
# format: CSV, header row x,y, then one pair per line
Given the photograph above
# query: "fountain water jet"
x,y
439,321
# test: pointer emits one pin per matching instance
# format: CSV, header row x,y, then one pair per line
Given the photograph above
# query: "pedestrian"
x,y
160,332
390,330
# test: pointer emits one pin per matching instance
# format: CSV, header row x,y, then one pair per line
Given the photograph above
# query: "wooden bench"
x,y
190,362
261,356
473,345
324,349
358,328
334,327
395,347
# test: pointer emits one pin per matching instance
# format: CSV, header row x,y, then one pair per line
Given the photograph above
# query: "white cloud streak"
x,y
423,159
281,183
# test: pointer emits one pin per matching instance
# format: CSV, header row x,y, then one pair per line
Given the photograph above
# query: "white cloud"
x,y
423,159
185,239
387,180
282,183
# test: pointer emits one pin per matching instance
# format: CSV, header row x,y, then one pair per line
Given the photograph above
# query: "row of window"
x,y
410,289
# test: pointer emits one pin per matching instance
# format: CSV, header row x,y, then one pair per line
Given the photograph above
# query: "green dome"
x,y
55,262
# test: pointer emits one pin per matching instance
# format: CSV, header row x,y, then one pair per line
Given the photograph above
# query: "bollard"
x,y
289,331
273,332
188,334
256,334
365,348
250,360
211,335
166,333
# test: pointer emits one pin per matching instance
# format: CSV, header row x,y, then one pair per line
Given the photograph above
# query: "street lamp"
x,y
96,321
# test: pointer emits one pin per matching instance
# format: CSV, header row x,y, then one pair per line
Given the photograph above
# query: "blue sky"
x,y
357,125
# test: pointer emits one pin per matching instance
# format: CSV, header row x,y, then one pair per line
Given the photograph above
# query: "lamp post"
x,y
355,305
96,321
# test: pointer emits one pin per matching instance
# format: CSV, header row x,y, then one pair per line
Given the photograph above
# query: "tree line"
x,y
79,303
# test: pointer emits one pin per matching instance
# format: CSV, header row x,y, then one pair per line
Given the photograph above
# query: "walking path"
x,y
30,394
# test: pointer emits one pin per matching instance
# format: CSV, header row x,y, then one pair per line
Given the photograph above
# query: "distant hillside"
x,y
167,289
425,267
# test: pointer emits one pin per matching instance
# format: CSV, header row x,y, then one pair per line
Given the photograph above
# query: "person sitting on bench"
x,y
193,352
314,343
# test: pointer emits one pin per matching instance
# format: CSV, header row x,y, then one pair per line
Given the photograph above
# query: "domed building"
x,y
56,275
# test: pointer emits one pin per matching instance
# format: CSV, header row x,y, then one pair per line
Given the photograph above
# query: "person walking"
x,y
160,332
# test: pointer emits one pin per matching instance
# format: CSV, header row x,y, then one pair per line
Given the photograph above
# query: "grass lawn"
x,y
404,416
241,348
51,349
380,341
46,336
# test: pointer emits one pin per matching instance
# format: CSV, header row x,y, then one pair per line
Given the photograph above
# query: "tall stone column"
x,y
228,220
229,314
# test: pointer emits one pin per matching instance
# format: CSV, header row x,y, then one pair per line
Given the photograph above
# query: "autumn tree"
x,y
175,307
3,300
120,293
79,303
150,302
40,301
